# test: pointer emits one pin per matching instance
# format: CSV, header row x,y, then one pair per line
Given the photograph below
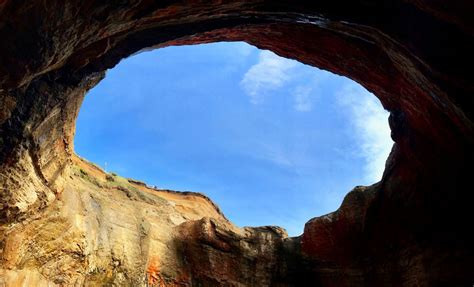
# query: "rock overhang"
x,y
414,56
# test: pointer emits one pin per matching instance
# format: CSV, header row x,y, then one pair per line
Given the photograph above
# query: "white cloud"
x,y
372,131
269,73
274,153
303,100
243,49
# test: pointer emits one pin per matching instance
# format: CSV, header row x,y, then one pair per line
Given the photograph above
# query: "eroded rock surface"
x,y
410,229
106,230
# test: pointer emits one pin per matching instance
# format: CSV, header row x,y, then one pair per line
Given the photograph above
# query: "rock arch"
x,y
412,228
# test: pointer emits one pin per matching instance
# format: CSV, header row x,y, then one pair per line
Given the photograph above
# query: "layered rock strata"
x,y
105,230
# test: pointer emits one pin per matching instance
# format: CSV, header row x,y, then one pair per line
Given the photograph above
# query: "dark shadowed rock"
x,y
410,229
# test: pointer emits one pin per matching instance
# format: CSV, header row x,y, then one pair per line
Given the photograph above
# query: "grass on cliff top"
x,y
115,182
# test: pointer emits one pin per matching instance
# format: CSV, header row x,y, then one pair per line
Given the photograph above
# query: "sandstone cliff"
x,y
106,230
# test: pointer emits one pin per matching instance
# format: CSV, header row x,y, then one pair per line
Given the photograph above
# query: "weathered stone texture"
x,y
411,229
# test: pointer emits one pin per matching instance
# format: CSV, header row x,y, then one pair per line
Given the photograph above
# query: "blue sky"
x,y
270,140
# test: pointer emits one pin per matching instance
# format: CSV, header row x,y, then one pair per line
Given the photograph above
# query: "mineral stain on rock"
x,y
104,229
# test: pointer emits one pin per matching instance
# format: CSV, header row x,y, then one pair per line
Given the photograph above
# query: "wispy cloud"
x,y
303,99
269,73
372,132
274,153
273,72
243,49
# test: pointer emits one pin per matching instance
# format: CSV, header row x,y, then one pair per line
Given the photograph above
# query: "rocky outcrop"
x,y
410,229
107,230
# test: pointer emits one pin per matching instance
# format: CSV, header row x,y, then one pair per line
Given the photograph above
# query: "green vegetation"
x,y
85,176
115,182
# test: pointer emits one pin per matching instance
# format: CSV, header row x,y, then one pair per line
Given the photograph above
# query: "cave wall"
x,y
410,229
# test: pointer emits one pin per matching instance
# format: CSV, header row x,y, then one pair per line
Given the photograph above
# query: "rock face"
x,y
106,230
61,226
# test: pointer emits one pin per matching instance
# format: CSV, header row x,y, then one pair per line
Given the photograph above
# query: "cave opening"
x,y
270,140
411,229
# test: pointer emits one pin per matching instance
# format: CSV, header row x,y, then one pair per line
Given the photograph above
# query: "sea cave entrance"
x,y
270,140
